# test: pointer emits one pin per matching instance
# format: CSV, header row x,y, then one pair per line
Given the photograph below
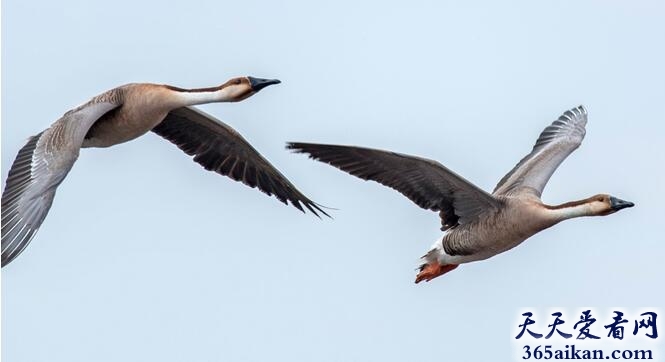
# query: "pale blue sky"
x,y
147,257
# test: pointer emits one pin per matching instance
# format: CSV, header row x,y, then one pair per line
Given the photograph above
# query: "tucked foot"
x,y
432,270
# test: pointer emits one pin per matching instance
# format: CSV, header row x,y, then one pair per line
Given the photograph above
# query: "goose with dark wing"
x,y
120,115
476,224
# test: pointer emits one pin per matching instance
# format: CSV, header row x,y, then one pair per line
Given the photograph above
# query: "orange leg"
x,y
433,270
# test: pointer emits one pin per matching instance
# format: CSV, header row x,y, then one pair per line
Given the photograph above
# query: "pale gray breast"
x,y
144,106
496,232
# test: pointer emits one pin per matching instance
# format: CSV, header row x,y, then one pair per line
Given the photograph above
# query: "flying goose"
x,y
120,115
477,225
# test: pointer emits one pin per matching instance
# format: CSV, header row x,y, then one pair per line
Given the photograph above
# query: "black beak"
x,y
258,83
618,204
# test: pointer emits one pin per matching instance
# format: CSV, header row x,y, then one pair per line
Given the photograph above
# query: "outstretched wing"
x,y
555,143
218,147
39,168
427,183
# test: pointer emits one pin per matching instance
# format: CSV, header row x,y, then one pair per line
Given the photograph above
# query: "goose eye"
x,y
237,81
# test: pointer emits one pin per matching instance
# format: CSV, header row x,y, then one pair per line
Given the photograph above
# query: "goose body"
x,y
477,225
123,114
154,102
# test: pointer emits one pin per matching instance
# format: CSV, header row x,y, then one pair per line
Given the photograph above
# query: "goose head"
x,y
237,89
604,204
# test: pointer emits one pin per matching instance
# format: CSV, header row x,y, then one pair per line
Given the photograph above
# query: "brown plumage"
x,y
478,225
120,115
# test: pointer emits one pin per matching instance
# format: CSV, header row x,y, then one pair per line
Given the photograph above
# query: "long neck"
x,y
191,97
570,210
